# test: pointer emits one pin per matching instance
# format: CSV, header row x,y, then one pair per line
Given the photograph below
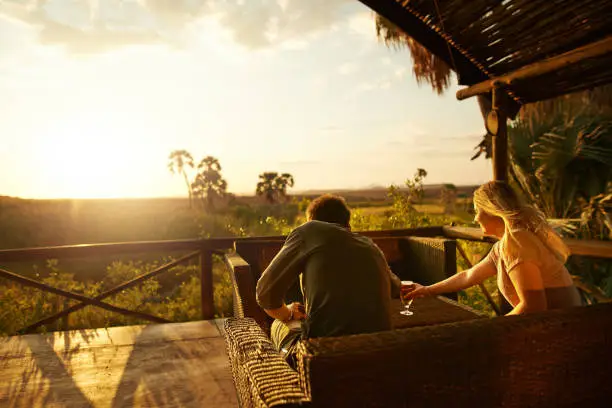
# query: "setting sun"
x,y
90,156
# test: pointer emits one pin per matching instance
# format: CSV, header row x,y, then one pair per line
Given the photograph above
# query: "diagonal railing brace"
x,y
91,301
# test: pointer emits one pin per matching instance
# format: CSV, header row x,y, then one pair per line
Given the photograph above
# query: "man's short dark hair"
x,y
329,208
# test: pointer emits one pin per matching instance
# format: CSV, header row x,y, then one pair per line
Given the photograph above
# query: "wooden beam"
x,y
582,247
213,244
546,66
467,233
599,249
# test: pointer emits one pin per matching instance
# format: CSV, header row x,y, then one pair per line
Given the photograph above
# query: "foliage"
x,y
176,300
209,184
448,198
560,161
273,186
179,160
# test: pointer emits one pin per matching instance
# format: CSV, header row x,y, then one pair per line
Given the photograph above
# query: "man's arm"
x,y
396,284
274,282
395,281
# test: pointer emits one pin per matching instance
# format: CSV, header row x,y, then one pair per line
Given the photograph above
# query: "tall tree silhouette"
x,y
273,186
177,162
209,183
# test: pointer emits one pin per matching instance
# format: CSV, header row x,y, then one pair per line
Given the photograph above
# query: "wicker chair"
x,y
424,260
558,358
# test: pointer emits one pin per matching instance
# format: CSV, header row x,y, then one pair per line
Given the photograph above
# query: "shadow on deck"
x,y
177,364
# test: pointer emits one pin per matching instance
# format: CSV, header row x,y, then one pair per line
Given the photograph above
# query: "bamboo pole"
x,y
480,285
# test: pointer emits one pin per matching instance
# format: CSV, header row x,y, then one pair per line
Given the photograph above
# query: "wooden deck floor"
x,y
161,365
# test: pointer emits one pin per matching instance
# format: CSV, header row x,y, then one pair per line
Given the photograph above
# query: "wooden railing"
x,y
203,250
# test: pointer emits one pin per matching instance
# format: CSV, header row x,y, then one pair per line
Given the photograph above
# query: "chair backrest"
x,y
428,260
258,254
559,358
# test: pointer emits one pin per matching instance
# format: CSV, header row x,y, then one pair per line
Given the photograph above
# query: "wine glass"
x,y
405,302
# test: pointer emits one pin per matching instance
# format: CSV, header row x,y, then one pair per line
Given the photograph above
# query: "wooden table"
x,y
160,365
432,310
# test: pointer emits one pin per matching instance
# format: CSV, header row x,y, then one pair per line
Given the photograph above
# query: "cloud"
x,y
83,26
400,72
332,128
395,144
347,68
362,24
299,163
366,86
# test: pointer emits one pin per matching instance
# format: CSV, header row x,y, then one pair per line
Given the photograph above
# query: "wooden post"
x,y
497,126
206,285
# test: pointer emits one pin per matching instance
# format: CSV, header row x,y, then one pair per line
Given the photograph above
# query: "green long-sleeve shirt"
x,y
346,281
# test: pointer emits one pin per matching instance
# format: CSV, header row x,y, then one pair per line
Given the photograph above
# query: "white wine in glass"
x,y
405,302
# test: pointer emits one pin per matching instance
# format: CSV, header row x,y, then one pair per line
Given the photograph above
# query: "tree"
x,y
209,183
448,198
273,186
562,162
415,186
178,161
403,212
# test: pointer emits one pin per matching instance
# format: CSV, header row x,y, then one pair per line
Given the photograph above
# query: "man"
x,y
345,280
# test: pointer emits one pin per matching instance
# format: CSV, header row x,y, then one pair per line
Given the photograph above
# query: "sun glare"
x,y
91,157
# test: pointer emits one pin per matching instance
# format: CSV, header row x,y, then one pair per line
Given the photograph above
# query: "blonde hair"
x,y
498,199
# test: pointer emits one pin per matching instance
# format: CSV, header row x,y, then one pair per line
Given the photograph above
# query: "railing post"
x,y
206,284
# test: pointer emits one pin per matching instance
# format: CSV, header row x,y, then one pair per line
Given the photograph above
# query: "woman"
x,y
528,259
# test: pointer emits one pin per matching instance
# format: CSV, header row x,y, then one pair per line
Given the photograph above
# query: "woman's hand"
x,y
414,290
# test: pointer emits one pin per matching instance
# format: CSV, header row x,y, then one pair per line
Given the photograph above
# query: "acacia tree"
x,y
448,198
209,183
178,161
273,186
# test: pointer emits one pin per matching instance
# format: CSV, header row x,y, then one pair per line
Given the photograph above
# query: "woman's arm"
x,y
462,280
473,276
529,287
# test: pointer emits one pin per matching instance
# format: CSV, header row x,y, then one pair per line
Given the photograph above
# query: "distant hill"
x,y
377,193
370,193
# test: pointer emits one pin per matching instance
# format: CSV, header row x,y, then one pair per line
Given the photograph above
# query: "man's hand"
x,y
296,311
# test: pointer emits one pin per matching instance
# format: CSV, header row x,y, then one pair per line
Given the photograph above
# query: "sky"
x,y
95,94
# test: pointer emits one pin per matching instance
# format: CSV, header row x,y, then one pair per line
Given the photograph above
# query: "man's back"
x,y
346,282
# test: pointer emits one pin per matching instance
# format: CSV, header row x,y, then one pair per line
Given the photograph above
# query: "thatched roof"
x,y
484,39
